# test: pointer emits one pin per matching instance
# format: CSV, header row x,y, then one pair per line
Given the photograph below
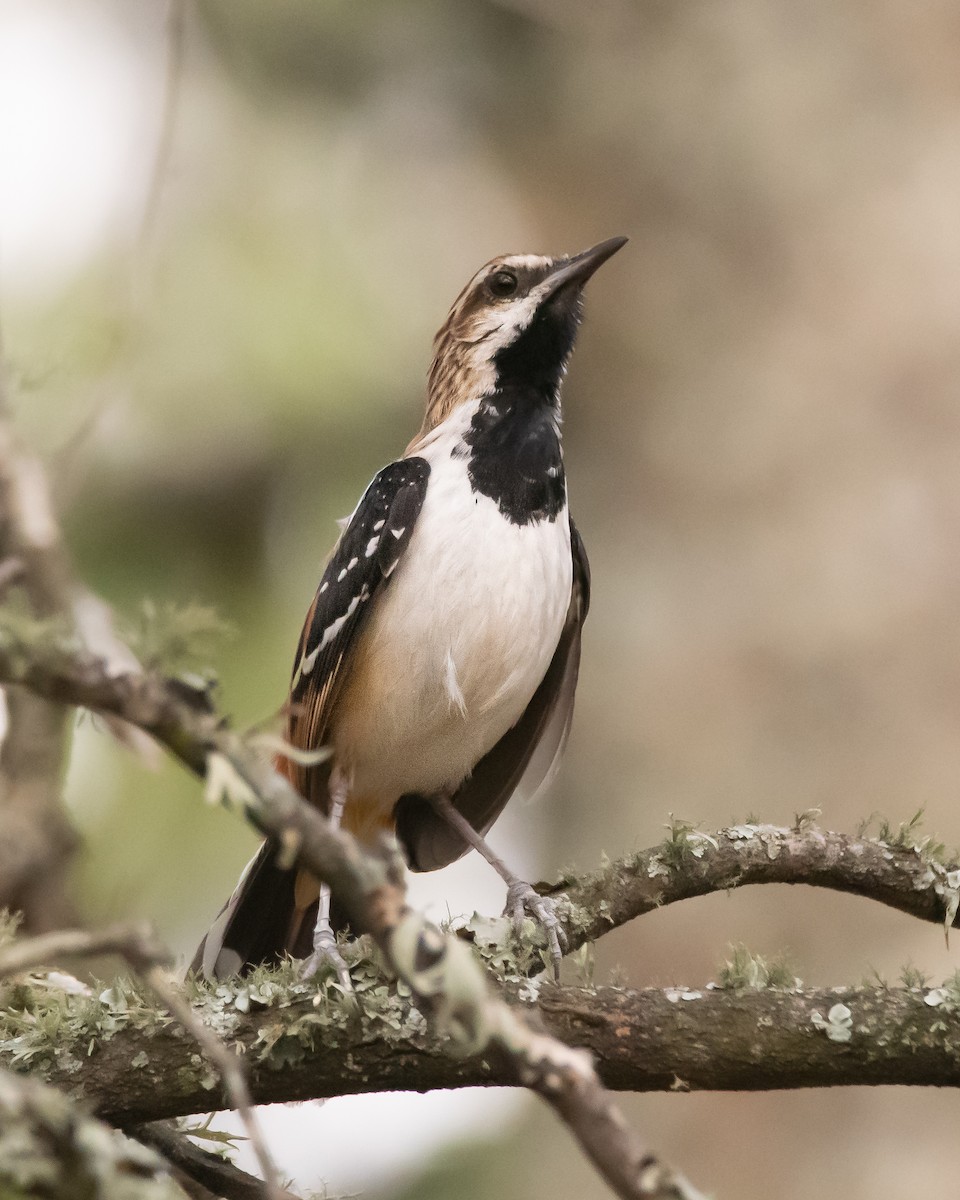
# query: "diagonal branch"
x,y
218,1177
447,983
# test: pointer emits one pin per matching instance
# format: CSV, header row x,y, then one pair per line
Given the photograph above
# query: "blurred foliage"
x,y
171,638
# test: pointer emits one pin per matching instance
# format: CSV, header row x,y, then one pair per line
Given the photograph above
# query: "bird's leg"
x,y
324,941
521,897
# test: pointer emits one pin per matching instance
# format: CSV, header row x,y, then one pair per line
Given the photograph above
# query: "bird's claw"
x,y
327,954
523,901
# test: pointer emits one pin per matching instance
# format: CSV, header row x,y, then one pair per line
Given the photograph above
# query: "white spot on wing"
x,y
398,533
379,525
334,627
323,587
352,563
342,576
309,661
372,546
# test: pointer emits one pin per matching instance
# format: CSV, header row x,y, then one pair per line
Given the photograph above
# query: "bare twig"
x,y
142,259
138,946
36,835
227,1063
37,840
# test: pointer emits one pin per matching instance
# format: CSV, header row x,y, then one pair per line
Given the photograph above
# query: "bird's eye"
x,y
502,283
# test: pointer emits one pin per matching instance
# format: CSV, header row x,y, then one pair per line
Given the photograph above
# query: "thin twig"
x,y
142,259
227,1063
218,1176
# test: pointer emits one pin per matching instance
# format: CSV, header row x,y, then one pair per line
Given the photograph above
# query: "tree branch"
x,y
906,877
205,1175
446,981
139,948
649,1040
50,1147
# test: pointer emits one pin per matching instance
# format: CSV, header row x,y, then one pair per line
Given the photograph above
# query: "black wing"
x,y
361,565
524,758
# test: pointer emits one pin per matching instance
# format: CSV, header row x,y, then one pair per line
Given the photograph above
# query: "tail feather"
x,y
270,914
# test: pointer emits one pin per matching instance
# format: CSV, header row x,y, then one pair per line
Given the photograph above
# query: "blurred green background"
x,y
762,431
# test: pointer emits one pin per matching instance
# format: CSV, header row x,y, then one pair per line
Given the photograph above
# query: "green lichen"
x,y
746,971
912,978
42,1025
9,924
837,1025
946,997
906,836
683,843
176,638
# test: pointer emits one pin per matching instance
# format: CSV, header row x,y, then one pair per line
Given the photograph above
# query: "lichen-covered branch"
x,y
649,1040
49,1147
690,863
205,1174
138,946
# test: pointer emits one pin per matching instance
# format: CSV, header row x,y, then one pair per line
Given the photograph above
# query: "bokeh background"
x,y
763,434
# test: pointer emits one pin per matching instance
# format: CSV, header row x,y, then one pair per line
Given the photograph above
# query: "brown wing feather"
x,y
531,747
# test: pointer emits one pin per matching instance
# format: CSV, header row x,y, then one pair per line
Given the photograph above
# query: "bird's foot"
x,y
326,955
523,901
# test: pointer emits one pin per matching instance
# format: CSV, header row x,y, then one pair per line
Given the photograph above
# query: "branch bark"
x,y
909,878
648,1040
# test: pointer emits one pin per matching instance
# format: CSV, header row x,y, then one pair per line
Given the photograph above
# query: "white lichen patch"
x,y
741,833
657,868
948,888
225,785
675,995
837,1025
698,843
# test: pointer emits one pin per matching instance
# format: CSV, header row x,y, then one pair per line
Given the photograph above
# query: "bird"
x,y
439,658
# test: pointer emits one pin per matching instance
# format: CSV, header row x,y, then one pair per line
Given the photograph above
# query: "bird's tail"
x,y
273,910
271,913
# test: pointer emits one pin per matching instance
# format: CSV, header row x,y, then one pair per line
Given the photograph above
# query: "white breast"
x,y
458,642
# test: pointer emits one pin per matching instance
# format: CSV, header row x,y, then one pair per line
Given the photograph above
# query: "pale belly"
x,y
459,641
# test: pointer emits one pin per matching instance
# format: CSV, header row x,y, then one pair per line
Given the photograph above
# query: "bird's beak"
x,y
577,270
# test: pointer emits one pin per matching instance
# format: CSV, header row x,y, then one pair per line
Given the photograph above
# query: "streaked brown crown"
x,y
478,324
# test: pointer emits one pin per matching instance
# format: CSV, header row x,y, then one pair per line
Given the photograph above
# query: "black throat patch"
x,y
515,458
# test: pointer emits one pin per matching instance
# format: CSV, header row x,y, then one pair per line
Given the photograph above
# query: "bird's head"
x,y
513,325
